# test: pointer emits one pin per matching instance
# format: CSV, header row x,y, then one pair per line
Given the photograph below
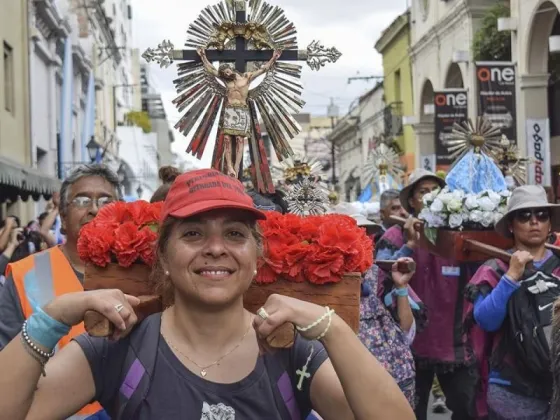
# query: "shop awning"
x,y
29,181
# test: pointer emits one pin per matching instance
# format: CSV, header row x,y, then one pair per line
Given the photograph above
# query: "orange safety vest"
x,y
40,278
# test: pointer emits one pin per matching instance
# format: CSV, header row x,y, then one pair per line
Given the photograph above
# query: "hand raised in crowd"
x,y
56,200
279,309
401,280
411,233
16,237
113,304
11,223
517,264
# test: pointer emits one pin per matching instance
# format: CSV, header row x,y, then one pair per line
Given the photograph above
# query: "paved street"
x,y
432,416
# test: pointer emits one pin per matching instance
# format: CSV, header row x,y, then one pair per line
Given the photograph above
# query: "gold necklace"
x,y
204,369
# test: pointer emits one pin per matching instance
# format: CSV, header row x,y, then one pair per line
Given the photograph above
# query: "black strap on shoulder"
x,y
138,369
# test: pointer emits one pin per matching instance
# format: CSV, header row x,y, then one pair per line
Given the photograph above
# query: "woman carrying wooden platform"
x,y
510,311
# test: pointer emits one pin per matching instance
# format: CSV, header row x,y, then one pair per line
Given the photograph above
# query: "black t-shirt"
x,y
177,393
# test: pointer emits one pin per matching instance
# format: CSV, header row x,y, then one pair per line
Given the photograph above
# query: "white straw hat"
x,y
417,176
528,197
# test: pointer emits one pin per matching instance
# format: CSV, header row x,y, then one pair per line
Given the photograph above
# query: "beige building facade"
x,y
15,151
533,24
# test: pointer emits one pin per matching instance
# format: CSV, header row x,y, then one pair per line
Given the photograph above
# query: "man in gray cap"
x,y
440,350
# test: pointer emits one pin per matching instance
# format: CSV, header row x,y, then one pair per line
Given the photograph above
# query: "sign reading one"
x,y
496,96
538,149
450,107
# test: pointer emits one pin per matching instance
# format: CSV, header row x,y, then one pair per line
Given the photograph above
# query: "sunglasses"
x,y
524,216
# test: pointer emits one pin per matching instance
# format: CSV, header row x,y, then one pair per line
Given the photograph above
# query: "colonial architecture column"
x,y
533,103
425,140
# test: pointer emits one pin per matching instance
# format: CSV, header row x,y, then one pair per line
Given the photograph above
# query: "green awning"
x,y
27,179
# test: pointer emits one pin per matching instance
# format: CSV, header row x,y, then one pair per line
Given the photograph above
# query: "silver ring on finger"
x,y
119,307
263,314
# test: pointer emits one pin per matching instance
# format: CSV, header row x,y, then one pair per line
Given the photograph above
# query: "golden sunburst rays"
x,y
479,137
296,168
382,161
509,160
307,197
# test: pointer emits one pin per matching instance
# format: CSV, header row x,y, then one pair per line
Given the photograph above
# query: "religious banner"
x,y
428,162
538,150
450,107
496,96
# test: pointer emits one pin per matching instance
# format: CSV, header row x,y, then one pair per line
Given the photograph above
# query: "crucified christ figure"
x,y
236,124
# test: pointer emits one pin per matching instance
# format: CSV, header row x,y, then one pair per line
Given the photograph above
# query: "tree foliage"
x,y
139,119
489,44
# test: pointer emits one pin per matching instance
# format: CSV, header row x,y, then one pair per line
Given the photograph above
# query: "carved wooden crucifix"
x,y
227,33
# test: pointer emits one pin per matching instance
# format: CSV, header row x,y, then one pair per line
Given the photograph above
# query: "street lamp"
x,y
92,148
332,113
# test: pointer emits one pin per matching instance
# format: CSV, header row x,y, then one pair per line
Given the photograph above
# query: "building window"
x,y
8,78
398,86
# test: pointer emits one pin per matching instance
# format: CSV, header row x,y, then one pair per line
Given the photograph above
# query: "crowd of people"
x,y
475,335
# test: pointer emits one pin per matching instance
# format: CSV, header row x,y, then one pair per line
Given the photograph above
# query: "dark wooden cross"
x,y
165,55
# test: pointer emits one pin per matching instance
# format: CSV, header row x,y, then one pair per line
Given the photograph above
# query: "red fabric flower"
x,y
127,242
147,246
112,215
318,249
144,213
125,232
266,275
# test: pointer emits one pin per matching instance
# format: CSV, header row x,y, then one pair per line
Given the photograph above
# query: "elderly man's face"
x,y
85,197
393,209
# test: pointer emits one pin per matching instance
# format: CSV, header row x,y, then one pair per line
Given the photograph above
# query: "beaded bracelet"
x,y
324,333
41,356
328,314
34,355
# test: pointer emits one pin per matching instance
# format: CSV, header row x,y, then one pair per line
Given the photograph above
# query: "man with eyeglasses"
x,y
34,281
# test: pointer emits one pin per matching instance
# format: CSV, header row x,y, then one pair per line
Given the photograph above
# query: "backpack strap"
x,y
550,264
283,384
138,368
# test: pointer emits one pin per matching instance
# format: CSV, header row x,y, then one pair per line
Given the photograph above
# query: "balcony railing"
x,y
392,120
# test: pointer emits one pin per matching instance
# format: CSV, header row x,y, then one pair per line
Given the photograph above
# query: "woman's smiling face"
x,y
212,257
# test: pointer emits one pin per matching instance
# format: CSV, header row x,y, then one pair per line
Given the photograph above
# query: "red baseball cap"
x,y
198,191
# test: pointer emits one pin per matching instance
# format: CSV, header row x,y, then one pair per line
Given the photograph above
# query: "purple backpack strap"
x,y
138,368
289,402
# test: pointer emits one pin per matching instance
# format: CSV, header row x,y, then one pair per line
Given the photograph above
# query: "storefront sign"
x,y
496,96
538,149
450,107
428,162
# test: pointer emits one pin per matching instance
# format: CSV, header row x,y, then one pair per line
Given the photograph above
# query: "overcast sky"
x,y
352,26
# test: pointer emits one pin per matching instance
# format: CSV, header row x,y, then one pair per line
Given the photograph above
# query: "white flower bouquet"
x,y
457,210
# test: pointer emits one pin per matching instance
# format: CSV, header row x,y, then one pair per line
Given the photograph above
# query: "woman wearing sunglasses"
x,y
201,358
512,304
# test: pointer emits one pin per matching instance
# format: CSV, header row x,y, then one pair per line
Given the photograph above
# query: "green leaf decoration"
x,y
431,234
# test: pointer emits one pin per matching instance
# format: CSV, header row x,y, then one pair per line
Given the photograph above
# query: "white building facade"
x,y
442,35
139,163
70,42
535,30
